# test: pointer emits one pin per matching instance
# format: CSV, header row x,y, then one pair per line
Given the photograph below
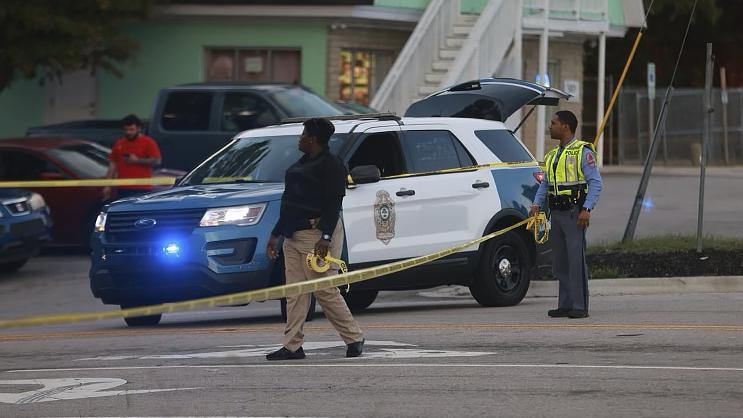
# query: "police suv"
x,y
419,184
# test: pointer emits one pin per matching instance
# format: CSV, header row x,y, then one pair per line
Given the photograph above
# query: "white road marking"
x,y
393,365
69,389
254,351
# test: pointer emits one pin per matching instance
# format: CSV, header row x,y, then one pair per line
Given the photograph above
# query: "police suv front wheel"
x,y
503,276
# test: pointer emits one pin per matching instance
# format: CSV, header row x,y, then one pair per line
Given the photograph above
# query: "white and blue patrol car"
x,y
421,183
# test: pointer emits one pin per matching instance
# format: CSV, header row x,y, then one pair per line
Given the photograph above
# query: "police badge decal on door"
x,y
384,217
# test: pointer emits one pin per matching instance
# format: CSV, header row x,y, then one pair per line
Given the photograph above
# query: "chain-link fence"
x,y
681,134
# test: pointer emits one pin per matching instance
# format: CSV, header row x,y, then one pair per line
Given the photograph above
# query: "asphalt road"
x,y
670,355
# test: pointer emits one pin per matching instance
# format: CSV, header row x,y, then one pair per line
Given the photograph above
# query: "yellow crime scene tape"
x,y
535,223
152,181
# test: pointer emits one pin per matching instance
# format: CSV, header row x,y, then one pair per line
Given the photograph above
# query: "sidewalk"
x,y
681,171
647,286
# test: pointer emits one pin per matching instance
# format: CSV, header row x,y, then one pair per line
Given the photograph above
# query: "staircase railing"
x,y
400,87
487,45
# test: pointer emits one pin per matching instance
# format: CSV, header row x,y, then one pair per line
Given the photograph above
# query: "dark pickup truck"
x,y
190,122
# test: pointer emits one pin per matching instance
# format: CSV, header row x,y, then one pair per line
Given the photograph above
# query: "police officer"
x,y
309,220
571,187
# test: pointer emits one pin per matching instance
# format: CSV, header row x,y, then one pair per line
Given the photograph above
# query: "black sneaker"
x,y
577,314
355,349
284,354
558,313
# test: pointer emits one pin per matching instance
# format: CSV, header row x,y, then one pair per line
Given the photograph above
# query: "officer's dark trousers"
x,y
569,264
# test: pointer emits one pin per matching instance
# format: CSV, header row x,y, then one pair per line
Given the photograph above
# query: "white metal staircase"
x,y
448,47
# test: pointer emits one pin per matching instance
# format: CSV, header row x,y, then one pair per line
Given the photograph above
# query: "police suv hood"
x,y
202,196
487,98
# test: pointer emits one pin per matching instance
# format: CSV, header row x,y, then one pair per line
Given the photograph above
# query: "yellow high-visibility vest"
x,y
565,177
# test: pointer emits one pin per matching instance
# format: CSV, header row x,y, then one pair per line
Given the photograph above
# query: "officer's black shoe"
x,y
284,354
577,314
355,349
558,313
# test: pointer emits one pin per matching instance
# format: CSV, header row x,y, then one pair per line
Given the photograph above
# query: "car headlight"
x,y
36,201
234,215
100,222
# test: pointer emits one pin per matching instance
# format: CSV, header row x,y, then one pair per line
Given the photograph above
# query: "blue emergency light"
x,y
172,249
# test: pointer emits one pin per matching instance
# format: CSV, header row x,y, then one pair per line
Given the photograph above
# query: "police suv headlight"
x,y
100,222
36,201
234,215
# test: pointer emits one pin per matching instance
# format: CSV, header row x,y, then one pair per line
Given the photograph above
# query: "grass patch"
x,y
666,243
604,272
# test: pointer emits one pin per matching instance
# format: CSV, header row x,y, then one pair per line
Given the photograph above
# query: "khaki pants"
x,y
333,304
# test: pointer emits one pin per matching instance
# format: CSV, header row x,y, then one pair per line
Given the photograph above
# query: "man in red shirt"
x,y
132,156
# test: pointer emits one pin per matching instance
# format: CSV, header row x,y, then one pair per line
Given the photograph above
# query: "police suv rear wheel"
x,y
503,275
141,321
359,300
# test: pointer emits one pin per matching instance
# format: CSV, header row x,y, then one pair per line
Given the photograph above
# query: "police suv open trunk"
x,y
487,98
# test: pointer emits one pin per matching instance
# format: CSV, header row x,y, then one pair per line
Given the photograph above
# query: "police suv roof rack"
x,y
377,116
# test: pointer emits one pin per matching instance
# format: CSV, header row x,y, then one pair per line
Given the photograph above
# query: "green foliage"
x,y
45,38
715,21
666,243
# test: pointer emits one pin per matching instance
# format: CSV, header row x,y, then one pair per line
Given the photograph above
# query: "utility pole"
x,y
542,75
724,99
708,109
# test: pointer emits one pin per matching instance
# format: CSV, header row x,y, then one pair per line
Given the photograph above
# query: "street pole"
x,y
705,143
651,101
600,96
724,99
542,75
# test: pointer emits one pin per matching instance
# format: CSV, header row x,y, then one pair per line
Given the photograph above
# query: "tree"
x,y
43,39
661,42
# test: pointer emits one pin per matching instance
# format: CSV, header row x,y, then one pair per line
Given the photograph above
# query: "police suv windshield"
x,y
254,160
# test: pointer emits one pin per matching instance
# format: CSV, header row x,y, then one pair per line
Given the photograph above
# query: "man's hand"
x,y
583,218
321,248
271,250
132,159
533,210
107,193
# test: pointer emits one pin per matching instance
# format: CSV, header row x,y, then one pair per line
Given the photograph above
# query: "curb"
x,y
646,286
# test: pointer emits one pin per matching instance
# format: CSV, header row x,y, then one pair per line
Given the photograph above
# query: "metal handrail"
x,y
400,86
488,43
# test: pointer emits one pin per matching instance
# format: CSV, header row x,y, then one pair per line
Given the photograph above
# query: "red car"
x,y
74,209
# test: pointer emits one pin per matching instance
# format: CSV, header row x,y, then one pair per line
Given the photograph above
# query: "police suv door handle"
x,y
406,193
481,185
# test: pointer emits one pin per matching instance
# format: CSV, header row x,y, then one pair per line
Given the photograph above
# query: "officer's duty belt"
x,y
568,202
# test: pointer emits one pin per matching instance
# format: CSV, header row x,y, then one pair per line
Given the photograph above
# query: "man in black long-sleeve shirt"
x,y
310,220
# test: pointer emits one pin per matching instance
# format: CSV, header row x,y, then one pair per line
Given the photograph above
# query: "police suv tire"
x,y
142,321
359,300
310,312
503,276
12,267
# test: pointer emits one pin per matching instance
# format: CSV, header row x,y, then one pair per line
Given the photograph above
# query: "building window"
x,y
361,73
253,64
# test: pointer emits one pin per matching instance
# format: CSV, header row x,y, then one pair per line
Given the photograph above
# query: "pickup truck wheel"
x,y
12,267
359,300
503,275
310,312
141,321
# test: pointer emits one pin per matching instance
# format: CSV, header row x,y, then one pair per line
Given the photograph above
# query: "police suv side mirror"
x,y
364,174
